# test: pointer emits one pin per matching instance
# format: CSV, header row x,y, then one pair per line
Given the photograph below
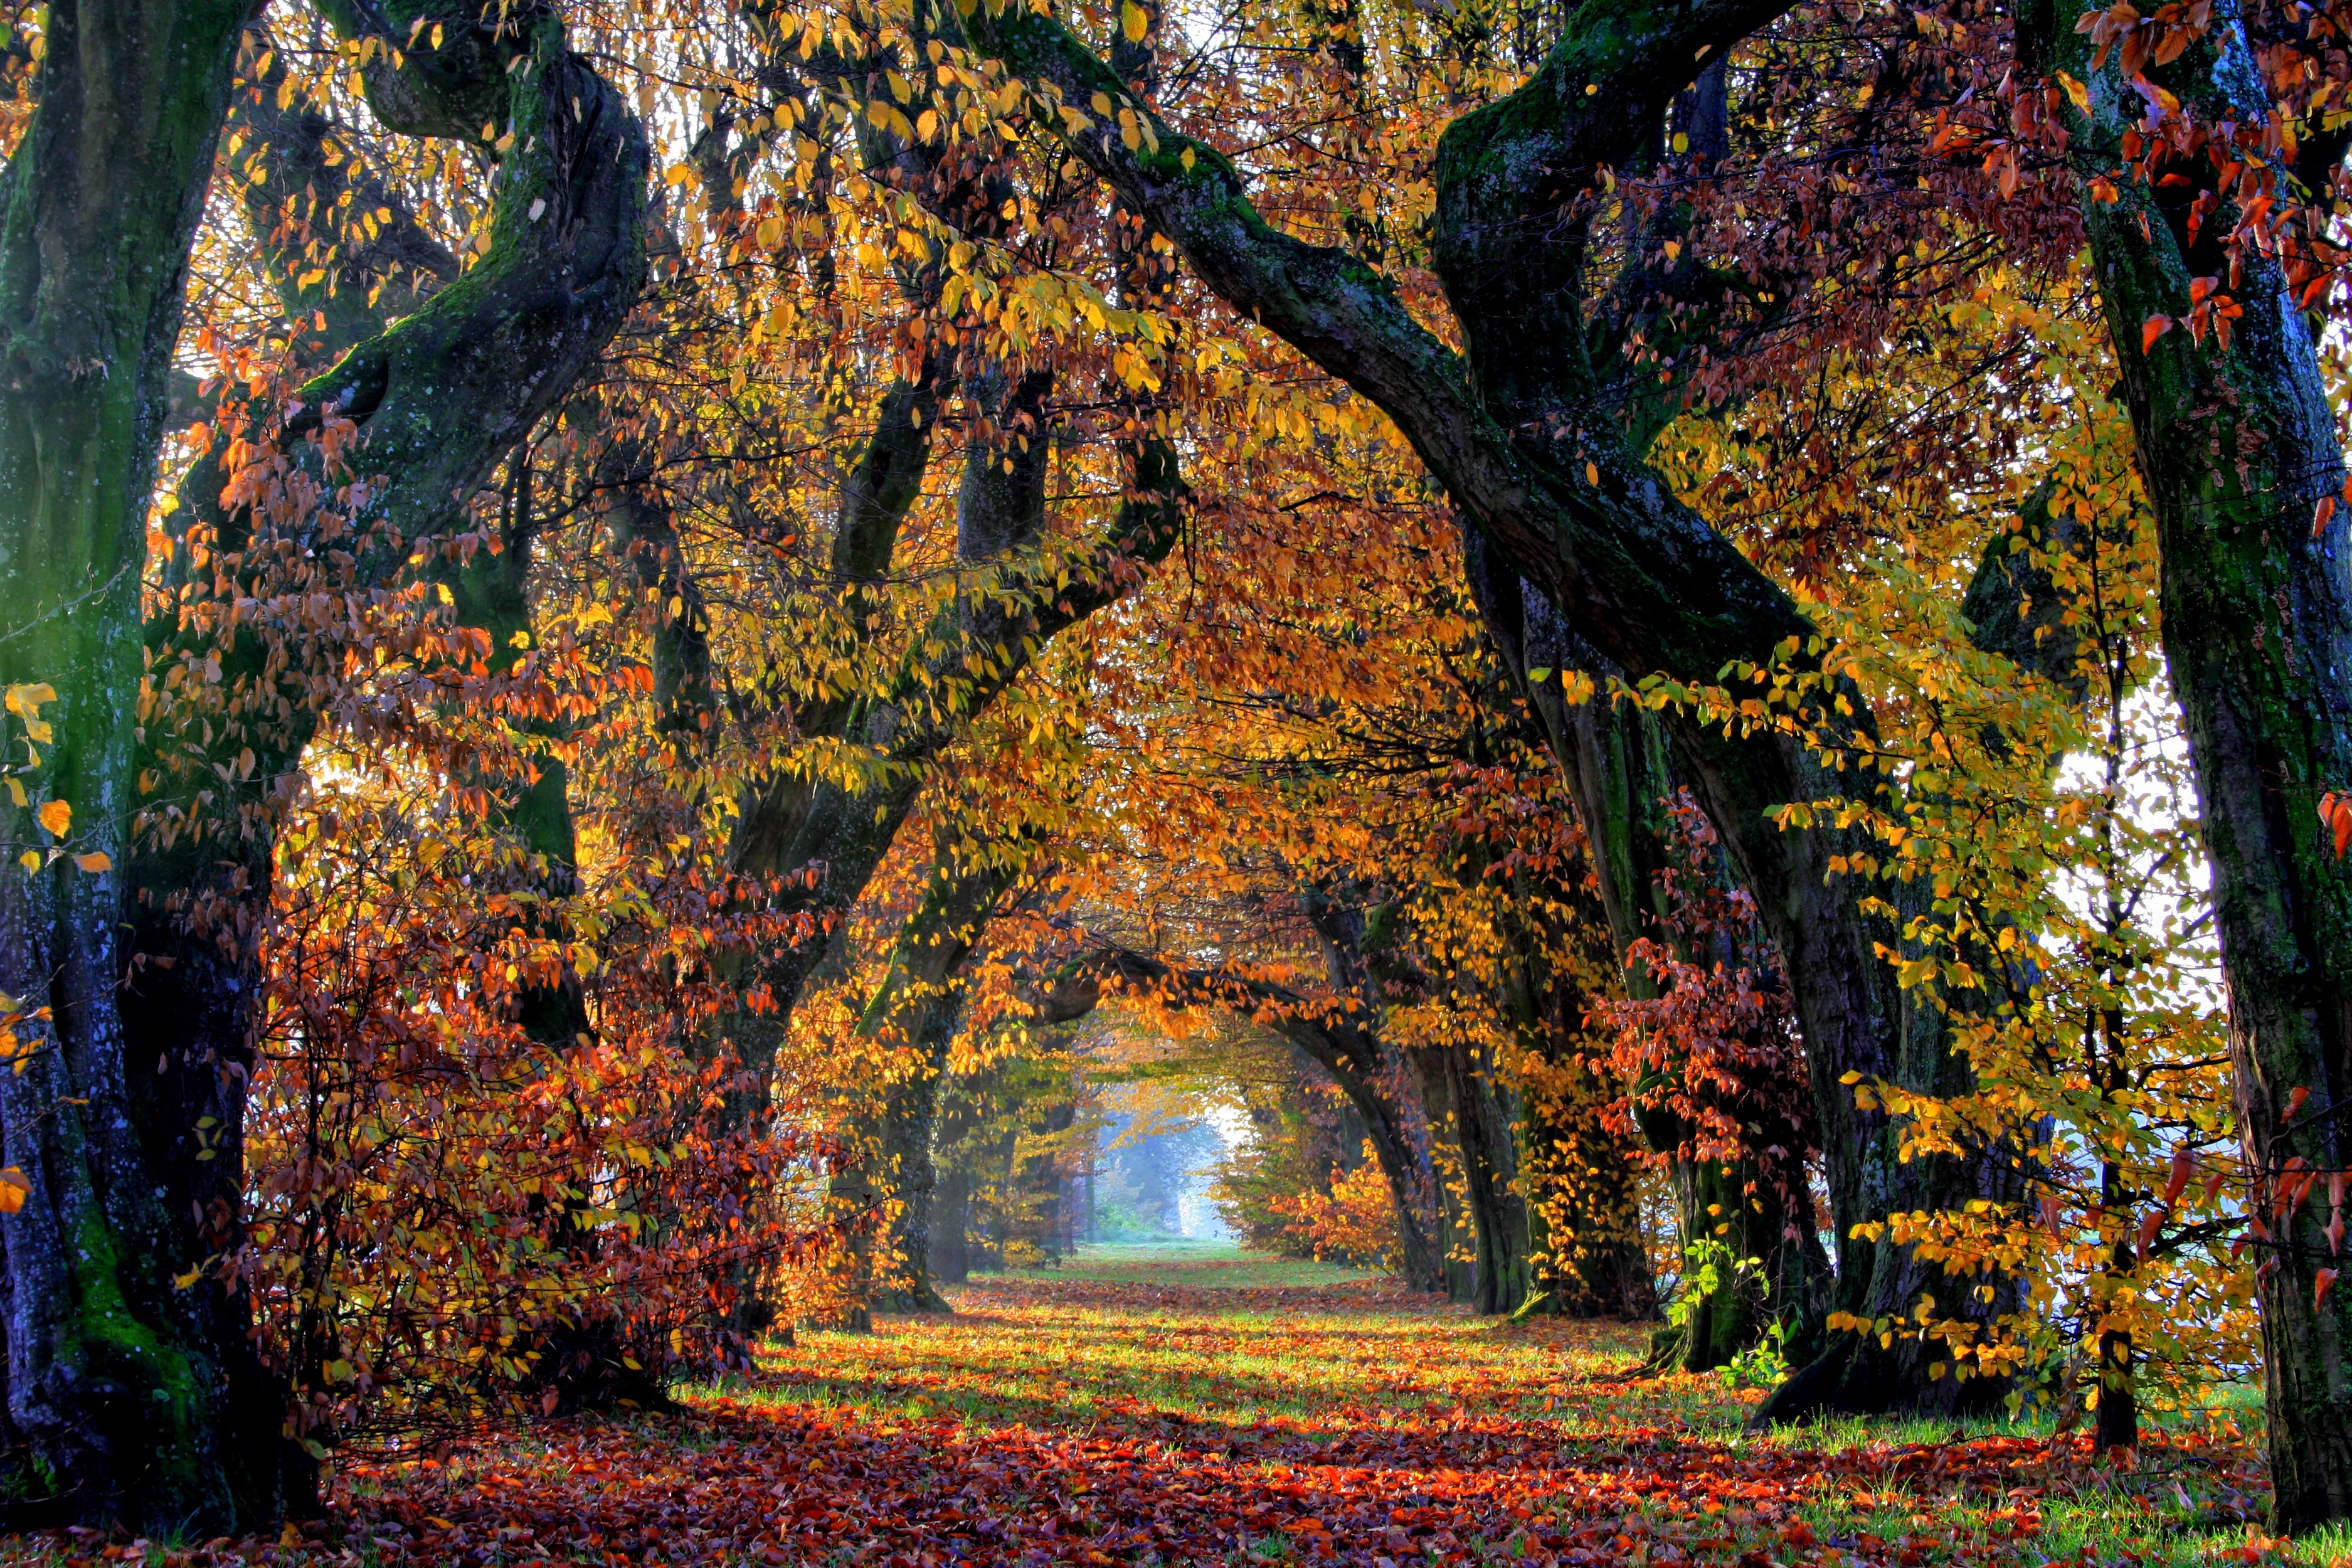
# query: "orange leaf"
x,y
2152,329
2320,514
2322,1283
57,817
2296,1096
2343,825
15,1188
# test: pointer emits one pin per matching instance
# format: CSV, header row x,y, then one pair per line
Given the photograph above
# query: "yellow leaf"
x,y
57,817
2076,91
30,859
1133,21
26,699
15,1188
16,793
94,862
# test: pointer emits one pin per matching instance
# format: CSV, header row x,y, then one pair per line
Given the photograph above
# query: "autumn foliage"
x,y
703,671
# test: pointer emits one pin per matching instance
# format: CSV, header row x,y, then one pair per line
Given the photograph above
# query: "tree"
x,y
1533,448
123,1400
2240,451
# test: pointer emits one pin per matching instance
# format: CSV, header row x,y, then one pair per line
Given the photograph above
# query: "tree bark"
x,y
1457,1239
1616,759
949,1253
912,1016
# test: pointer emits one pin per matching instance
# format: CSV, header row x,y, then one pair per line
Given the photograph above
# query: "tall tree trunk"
x,y
949,1253
1456,1241
2238,447
1584,1220
125,1161
912,1020
1485,1128
904,1282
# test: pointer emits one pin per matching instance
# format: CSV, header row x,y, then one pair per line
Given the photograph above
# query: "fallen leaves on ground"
x,y
1071,1421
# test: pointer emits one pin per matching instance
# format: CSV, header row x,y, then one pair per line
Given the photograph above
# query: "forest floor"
x,y
1198,1405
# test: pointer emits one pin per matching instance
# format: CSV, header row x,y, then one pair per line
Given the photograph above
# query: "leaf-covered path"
x,y
1154,1414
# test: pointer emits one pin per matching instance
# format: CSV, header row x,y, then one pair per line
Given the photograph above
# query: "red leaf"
x,y
2179,1178
2322,1283
2152,329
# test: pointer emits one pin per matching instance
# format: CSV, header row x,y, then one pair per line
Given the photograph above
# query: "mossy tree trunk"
x,y
122,1408
1617,760
1486,1129
2238,448
1456,1239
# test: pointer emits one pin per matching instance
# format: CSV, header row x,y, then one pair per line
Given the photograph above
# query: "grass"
x,y
1209,1265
